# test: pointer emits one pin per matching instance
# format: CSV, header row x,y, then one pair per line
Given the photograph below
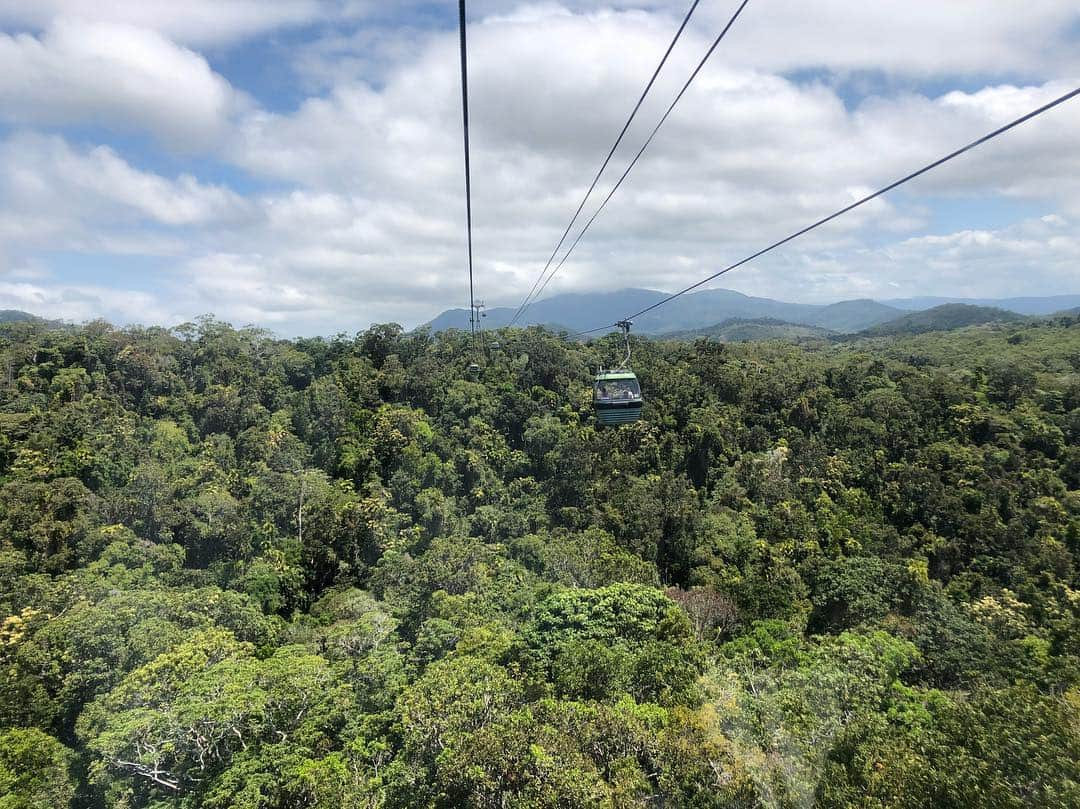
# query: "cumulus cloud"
x,y
1037,254
896,40
359,212
54,195
749,157
909,37
80,302
196,22
117,76
316,290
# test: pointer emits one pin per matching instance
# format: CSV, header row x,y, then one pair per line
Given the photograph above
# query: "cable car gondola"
x,y
617,398
617,394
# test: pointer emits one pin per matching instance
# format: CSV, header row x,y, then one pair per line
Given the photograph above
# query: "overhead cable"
x,y
607,160
468,177
644,146
891,186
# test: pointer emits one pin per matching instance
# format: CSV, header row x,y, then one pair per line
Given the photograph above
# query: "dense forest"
x,y
240,571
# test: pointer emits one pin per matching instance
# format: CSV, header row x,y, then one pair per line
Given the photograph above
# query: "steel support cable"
x,y
890,187
468,177
607,160
644,146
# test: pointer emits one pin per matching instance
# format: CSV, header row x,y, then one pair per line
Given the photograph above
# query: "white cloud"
x,y
364,216
749,157
65,198
315,290
916,37
1031,255
79,303
906,37
896,40
116,76
251,290
196,22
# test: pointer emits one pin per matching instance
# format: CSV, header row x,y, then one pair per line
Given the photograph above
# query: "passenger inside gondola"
x,y
615,390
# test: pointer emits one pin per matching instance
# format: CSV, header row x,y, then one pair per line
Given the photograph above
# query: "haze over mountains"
x,y
1048,305
732,316
700,310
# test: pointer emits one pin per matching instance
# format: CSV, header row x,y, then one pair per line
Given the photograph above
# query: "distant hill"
x,y
849,316
1047,305
943,318
16,316
741,330
574,311
717,305
708,308
581,311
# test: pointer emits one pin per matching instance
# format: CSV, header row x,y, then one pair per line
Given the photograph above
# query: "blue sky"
x,y
297,164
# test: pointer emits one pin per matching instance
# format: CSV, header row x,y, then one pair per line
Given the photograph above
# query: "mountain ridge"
x,y
1022,305
710,308
947,317
746,330
17,316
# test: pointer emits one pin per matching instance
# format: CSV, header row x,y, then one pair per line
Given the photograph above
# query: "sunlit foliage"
x,y
240,571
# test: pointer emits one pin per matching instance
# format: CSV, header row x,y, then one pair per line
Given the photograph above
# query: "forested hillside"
x,y
237,571
946,317
760,329
578,311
